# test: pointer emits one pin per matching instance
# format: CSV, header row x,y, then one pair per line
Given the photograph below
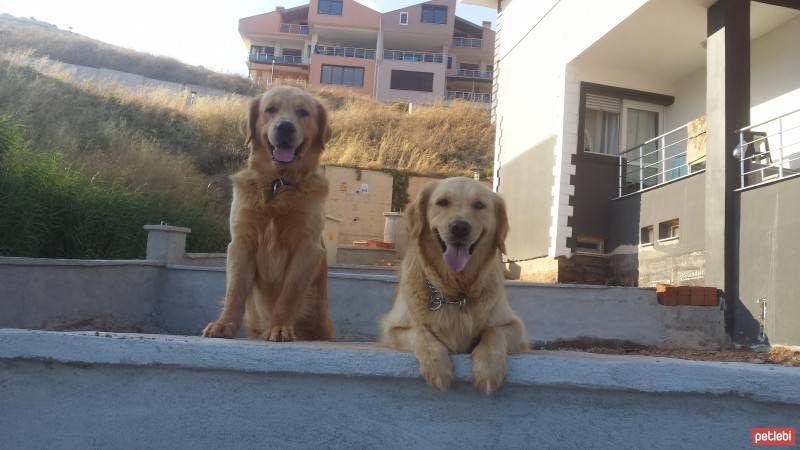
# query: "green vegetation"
x,y
51,210
49,41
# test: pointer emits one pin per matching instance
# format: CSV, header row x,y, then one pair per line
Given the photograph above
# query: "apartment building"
x,y
422,53
659,143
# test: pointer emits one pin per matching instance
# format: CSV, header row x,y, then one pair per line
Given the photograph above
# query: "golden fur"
x,y
485,325
276,268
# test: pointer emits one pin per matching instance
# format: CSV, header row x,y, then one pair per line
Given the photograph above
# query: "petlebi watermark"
x,y
773,436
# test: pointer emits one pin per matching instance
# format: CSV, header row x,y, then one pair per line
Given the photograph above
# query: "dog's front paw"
x,y
488,369
281,333
220,329
437,371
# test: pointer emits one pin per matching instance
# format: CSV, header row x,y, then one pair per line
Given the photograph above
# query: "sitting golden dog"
x,y
277,275
451,297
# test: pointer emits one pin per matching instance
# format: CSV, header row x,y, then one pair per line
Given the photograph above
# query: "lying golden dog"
x,y
277,275
451,297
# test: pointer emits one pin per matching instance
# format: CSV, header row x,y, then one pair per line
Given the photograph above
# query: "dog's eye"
x,y
479,205
443,202
271,110
302,112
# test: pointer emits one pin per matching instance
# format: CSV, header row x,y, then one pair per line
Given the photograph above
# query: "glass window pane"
x,y
336,78
359,77
326,74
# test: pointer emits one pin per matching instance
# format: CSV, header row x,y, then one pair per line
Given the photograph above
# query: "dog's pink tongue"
x,y
456,256
283,154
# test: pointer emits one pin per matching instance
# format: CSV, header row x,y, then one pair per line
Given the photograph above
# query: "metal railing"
x,y
758,164
401,55
474,74
480,97
348,52
467,42
264,58
293,28
657,161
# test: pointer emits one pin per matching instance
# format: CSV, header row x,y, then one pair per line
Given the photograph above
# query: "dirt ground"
x,y
787,356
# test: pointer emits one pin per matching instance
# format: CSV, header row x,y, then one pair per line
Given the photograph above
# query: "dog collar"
x,y
436,298
278,184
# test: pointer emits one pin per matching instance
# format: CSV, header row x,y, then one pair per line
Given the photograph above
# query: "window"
x,y
490,67
601,124
646,236
345,76
403,18
449,62
330,7
406,80
434,14
590,244
466,66
669,230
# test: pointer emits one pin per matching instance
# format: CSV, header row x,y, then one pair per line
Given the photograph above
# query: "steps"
x,y
106,390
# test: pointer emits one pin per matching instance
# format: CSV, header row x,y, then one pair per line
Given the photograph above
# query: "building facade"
x,y
423,53
655,141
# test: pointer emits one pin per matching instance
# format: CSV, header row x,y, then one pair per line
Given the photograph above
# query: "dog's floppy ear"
x,y
416,214
252,117
324,133
501,230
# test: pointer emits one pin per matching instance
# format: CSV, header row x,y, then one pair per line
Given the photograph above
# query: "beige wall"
x,y
385,93
361,212
434,34
353,15
315,71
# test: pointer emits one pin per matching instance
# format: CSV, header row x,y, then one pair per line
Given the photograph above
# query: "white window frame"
x,y
404,14
631,104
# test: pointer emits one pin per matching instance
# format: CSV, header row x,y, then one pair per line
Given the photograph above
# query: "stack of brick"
x,y
373,243
686,295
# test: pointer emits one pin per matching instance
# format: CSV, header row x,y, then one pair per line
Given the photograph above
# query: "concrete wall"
x,y
768,266
678,262
57,294
359,198
528,196
72,390
157,297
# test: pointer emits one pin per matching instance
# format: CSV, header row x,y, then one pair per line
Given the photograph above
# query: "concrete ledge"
x,y
20,261
762,383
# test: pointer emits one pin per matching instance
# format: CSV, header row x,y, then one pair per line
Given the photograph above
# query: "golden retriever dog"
x,y
277,275
451,297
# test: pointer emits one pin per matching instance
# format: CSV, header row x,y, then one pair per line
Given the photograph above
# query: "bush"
x,y
53,211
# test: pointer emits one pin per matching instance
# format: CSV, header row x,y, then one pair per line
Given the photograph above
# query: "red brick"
x,y
698,296
711,296
670,300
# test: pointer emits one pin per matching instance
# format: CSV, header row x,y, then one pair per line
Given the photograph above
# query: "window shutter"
x,y
600,103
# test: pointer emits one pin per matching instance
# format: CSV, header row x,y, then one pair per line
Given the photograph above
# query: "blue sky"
x,y
197,32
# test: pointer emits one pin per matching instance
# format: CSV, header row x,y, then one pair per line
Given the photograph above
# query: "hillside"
x,y
175,160
47,40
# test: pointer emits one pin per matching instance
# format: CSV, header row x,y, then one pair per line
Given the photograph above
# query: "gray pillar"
x,y
166,243
727,110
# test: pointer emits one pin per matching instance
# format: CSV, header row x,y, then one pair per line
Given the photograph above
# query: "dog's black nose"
x,y
285,128
460,228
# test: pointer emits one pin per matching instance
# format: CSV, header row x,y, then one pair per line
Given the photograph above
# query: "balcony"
x,y
479,74
479,97
467,42
347,52
293,28
673,155
400,55
769,151
263,58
